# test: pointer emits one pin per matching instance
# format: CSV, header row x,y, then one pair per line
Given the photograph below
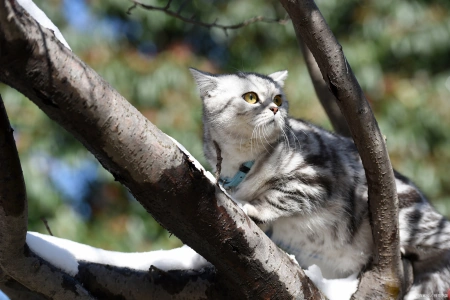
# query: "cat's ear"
x,y
279,77
206,82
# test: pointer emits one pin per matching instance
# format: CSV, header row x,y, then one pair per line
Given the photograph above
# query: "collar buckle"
x,y
239,177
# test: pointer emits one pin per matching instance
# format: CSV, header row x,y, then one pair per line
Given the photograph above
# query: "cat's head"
x,y
244,105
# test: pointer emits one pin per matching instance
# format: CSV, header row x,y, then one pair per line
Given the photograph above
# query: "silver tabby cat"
x,y
307,186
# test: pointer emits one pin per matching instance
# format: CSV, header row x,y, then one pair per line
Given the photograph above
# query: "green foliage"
x,y
397,49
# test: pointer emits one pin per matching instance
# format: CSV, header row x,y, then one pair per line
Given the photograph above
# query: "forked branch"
x,y
385,276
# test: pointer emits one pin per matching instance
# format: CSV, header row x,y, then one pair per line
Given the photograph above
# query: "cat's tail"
x,y
423,231
425,240
434,284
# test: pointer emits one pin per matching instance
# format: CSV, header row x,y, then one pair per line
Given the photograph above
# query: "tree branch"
x,y
176,14
13,205
310,25
15,258
44,220
325,96
219,161
110,282
161,177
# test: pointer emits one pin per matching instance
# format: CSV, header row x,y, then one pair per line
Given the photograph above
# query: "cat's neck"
x,y
233,156
236,151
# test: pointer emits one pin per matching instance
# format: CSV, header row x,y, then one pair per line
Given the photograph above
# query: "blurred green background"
x,y
399,51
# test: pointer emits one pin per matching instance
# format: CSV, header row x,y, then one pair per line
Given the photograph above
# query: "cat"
x,y
306,186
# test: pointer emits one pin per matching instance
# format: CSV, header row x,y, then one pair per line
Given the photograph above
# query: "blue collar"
x,y
240,175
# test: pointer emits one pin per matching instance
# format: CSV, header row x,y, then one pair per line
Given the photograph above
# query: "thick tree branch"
x,y
310,25
325,96
162,178
15,258
177,14
13,205
110,282
107,282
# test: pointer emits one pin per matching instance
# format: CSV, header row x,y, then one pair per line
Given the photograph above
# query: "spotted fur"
x,y
308,188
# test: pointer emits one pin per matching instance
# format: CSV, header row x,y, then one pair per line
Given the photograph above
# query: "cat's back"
x,y
310,163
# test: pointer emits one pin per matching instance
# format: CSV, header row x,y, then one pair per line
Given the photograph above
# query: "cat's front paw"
x,y
248,207
253,213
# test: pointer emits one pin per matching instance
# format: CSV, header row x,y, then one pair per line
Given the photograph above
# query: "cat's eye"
x,y
278,100
250,97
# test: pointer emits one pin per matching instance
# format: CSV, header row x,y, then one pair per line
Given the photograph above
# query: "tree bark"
x,y
161,177
386,268
107,282
110,282
16,291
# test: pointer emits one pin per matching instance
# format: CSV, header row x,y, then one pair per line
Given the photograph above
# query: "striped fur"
x,y
307,187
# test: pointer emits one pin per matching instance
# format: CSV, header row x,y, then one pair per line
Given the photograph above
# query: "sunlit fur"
x,y
307,187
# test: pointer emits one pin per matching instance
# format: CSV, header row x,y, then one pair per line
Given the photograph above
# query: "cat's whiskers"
x,y
261,126
295,137
286,138
251,140
258,136
264,133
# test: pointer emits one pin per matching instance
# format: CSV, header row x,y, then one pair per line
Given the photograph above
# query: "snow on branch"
x,y
42,19
66,254
194,161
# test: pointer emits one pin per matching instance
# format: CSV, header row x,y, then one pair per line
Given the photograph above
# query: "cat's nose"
x,y
274,109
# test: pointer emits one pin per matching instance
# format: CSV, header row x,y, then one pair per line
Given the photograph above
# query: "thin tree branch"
x,y
161,177
219,161
44,220
310,25
325,96
176,14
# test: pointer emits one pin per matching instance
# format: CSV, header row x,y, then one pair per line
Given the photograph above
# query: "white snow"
x,y
54,250
42,19
333,289
65,255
